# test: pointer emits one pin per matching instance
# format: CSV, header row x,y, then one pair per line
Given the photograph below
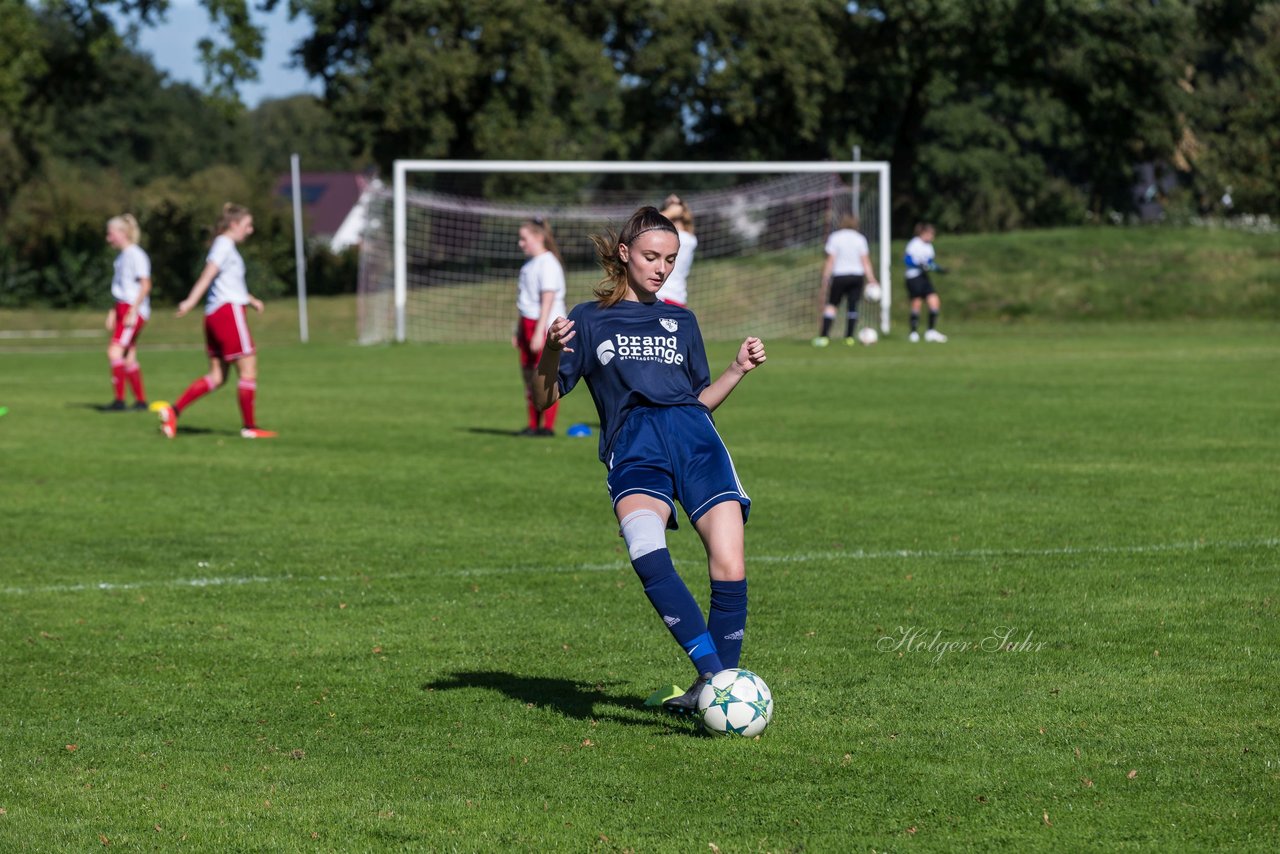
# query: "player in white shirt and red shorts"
x,y
675,290
226,329
845,273
131,289
540,295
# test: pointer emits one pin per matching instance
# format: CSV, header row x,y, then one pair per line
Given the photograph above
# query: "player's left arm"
x,y
750,356
144,290
871,271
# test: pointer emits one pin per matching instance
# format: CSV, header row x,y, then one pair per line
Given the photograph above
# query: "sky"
x,y
172,45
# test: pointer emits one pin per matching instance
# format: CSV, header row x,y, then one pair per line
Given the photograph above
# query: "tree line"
x,y
994,114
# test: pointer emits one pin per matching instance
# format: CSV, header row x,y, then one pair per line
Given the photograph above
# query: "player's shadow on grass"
x,y
581,700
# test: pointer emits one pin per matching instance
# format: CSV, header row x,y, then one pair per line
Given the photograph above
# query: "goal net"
x,y
442,267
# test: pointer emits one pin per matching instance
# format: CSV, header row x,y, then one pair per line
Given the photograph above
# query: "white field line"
x,y
812,557
19,334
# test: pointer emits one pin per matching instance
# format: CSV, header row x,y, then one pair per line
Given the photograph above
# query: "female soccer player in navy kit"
x,y
131,289
226,330
646,368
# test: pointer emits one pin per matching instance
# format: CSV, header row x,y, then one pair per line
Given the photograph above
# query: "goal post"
x,y
446,268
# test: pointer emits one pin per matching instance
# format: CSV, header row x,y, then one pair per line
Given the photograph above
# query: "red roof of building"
x,y
327,197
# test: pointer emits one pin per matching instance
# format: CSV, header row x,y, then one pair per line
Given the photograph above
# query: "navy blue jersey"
x,y
634,354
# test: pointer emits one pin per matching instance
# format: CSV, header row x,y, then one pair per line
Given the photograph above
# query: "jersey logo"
x,y
669,324
605,351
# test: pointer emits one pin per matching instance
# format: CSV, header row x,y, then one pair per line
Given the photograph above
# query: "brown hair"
x,y
850,221
542,228
231,214
613,287
128,225
922,227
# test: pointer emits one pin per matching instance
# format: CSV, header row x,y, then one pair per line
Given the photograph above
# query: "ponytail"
x,y
613,287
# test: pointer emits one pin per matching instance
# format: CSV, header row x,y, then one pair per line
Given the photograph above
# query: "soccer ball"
x,y
735,702
868,335
871,293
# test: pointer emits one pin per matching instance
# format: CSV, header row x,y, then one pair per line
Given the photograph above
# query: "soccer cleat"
x,y
687,703
257,433
168,421
528,431
935,336
545,431
914,337
114,406
850,341
141,406
821,341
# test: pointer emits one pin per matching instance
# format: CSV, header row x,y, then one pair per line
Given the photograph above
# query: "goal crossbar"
x,y
668,167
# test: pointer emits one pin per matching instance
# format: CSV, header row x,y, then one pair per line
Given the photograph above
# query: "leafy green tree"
x,y
300,124
485,79
1233,139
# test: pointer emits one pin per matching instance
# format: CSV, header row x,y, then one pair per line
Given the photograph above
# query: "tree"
x,y
487,79
1233,139
299,124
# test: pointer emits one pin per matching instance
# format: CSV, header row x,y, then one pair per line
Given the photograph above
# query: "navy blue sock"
x,y
933,319
915,320
677,608
728,620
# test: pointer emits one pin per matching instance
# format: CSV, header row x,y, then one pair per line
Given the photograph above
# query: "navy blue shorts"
x,y
674,454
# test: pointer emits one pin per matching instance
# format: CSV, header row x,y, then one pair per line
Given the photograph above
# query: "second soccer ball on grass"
x,y
868,336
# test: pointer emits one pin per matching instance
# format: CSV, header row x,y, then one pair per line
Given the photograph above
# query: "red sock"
x,y
194,392
533,411
549,415
245,390
133,373
117,378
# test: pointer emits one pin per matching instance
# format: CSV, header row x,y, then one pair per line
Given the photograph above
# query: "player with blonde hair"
x,y
131,290
675,290
226,329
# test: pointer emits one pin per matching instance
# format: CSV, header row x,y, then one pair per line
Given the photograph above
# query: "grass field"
x,y
399,627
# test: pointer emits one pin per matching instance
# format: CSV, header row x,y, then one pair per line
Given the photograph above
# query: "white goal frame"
x,y
668,167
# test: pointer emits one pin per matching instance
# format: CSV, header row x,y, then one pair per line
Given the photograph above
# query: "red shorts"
x,y
226,333
126,336
528,358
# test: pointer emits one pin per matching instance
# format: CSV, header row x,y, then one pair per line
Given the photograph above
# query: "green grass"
x,y
398,627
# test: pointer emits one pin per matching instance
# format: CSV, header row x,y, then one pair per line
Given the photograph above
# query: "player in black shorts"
x,y
920,262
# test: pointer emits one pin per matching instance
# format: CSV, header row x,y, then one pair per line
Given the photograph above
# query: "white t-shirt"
x,y
921,253
848,246
676,287
229,285
131,267
540,274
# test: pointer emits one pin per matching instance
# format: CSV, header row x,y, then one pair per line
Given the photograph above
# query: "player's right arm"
x,y
546,386
198,289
